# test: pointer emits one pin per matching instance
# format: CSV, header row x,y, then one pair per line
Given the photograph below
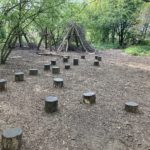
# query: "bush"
x,y
107,46
139,50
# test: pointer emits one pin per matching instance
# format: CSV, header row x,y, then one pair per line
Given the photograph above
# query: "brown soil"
x,y
77,126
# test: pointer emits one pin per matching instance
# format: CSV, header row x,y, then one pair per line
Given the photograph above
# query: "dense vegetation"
x,y
119,23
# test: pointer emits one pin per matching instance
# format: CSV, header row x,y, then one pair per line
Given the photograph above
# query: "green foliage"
x,y
138,50
109,23
18,17
113,20
106,46
2,33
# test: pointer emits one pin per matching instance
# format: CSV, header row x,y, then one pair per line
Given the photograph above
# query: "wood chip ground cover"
x,y
76,126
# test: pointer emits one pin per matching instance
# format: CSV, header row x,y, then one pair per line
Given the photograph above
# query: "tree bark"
x,y
12,139
51,104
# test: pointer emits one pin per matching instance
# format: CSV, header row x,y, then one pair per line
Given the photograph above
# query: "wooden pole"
x,y
46,38
40,42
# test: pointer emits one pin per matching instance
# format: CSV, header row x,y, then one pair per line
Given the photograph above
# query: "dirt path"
x,y
103,126
120,58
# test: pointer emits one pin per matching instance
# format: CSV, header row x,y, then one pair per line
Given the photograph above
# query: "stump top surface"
x,y
67,56
134,104
19,73
67,64
3,81
58,79
53,60
75,59
51,99
33,69
47,65
89,94
55,67
12,132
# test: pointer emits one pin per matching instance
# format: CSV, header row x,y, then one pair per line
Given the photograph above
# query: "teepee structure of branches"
x,y
76,35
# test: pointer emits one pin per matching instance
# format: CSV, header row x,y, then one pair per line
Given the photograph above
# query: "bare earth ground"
x,y
76,126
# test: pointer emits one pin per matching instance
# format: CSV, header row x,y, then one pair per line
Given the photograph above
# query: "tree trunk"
x,y
46,34
20,41
113,35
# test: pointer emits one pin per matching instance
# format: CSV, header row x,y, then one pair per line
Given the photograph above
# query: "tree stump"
x,y
67,66
51,104
67,56
33,72
89,98
12,139
99,58
96,57
55,70
131,107
47,67
65,59
19,76
75,62
96,63
53,62
58,82
82,57
3,84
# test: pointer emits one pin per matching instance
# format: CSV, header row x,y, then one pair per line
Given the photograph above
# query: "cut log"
x,y
96,56
19,76
131,107
47,67
51,104
3,84
33,72
55,70
12,139
82,57
65,59
89,98
75,62
96,63
53,62
67,66
99,58
58,82
67,56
